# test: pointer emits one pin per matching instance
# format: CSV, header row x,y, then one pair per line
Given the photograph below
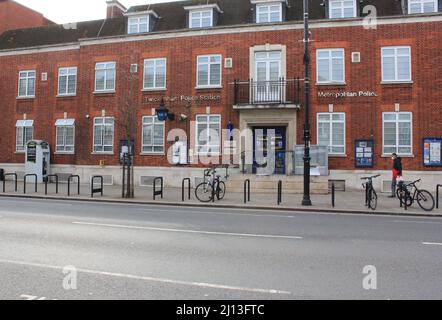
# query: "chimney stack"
x,y
114,9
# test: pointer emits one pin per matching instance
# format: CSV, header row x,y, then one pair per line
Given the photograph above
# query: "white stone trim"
x,y
203,7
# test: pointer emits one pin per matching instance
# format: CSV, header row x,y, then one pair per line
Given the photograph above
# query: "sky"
x,y
64,11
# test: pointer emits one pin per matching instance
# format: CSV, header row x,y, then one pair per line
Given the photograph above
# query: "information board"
x,y
364,153
432,152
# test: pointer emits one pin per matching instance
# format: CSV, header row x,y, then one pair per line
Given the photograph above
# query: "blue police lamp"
x,y
162,112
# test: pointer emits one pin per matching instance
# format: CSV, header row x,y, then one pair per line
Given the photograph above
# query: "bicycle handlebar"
x,y
372,177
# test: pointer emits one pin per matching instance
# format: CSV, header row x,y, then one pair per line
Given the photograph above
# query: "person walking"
x,y
396,173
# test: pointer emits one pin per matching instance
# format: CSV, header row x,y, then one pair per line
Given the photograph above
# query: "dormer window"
x,y
138,24
202,16
269,12
339,9
422,6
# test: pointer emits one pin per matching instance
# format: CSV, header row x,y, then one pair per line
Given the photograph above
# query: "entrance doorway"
x,y
261,155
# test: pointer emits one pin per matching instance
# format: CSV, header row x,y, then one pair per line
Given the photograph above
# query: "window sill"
x,y
337,155
154,89
64,153
399,155
104,92
26,98
396,82
331,84
152,154
20,152
66,95
103,153
208,87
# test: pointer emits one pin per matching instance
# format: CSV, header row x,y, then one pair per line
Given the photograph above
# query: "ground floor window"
x,y
24,134
65,136
331,131
152,135
104,134
397,133
208,134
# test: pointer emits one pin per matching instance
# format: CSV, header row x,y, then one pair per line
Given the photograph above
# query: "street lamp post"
x,y
306,201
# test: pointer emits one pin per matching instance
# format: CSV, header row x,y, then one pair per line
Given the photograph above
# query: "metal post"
x,y
333,190
437,195
306,201
246,190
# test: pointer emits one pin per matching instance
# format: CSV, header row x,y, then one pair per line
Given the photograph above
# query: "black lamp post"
x,y
306,201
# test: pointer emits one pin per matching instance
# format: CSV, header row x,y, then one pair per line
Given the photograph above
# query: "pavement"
x,y
66,249
345,202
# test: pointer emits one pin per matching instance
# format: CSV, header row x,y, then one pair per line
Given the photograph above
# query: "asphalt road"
x,y
160,252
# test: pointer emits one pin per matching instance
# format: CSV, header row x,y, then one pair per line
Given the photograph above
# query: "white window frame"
x,y
331,122
136,21
395,56
70,71
23,126
198,15
27,78
421,3
64,148
342,8
330,66
102,145
155,122
106,69
155,87
261,6
209,85
207,122
397,121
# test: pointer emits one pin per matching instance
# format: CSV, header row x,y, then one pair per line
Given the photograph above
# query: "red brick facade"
x,y
15,16
423,97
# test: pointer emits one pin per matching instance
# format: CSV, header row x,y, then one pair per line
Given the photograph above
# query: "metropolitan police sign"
x,y
346,94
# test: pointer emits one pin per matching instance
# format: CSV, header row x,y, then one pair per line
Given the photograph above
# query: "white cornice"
x,y
203,6
141,13
354,22
266,1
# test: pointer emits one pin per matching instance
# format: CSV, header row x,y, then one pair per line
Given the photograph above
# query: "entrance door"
x,y
268,87
261,156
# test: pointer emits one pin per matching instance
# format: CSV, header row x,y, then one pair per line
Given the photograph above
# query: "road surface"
x,y
82,250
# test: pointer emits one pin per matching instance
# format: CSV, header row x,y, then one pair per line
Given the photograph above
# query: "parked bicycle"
x,y
408,193
211,187
371,197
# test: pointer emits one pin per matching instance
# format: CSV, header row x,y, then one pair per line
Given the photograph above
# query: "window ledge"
x,y
208,87
152,154
154,89
397,82
26,98
20,152
64,153
102,153
337,155
66,95
399,155
331,83
104,92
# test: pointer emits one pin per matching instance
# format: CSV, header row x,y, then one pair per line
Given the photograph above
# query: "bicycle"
x,y
206,190
371,197
423,197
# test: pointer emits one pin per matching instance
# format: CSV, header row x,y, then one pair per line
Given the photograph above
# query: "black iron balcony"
x,y
279,92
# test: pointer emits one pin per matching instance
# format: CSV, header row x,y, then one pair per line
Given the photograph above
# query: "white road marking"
x,y
151,279
432,243
187,231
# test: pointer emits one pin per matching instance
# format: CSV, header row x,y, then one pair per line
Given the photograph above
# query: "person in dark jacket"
x,y
396,173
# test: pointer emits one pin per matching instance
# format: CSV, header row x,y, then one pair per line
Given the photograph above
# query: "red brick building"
x,y
14,15
376,72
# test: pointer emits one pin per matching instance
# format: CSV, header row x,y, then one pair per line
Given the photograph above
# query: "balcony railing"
x,y
253,92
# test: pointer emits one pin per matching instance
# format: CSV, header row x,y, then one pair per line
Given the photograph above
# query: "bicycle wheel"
x,y
404,197
203,192
425,200
373,199
221,190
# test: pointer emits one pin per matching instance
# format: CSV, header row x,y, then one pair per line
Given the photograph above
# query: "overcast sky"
x,y
63,11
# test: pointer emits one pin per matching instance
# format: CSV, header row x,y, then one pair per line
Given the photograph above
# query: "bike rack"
x,y
24,181
437,195
69,183
279,192
47,181
333,194
246,190
96,190
15,180
159,192
188,187
214,182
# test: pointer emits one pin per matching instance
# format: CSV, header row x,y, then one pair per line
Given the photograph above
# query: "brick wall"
x,y
363,114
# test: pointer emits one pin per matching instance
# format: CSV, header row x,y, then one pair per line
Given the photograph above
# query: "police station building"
x,y
224,66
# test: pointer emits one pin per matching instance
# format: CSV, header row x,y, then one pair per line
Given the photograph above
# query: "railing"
x,y
95,189
69,183
46,180
155,191
25,180
15,181
252,92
